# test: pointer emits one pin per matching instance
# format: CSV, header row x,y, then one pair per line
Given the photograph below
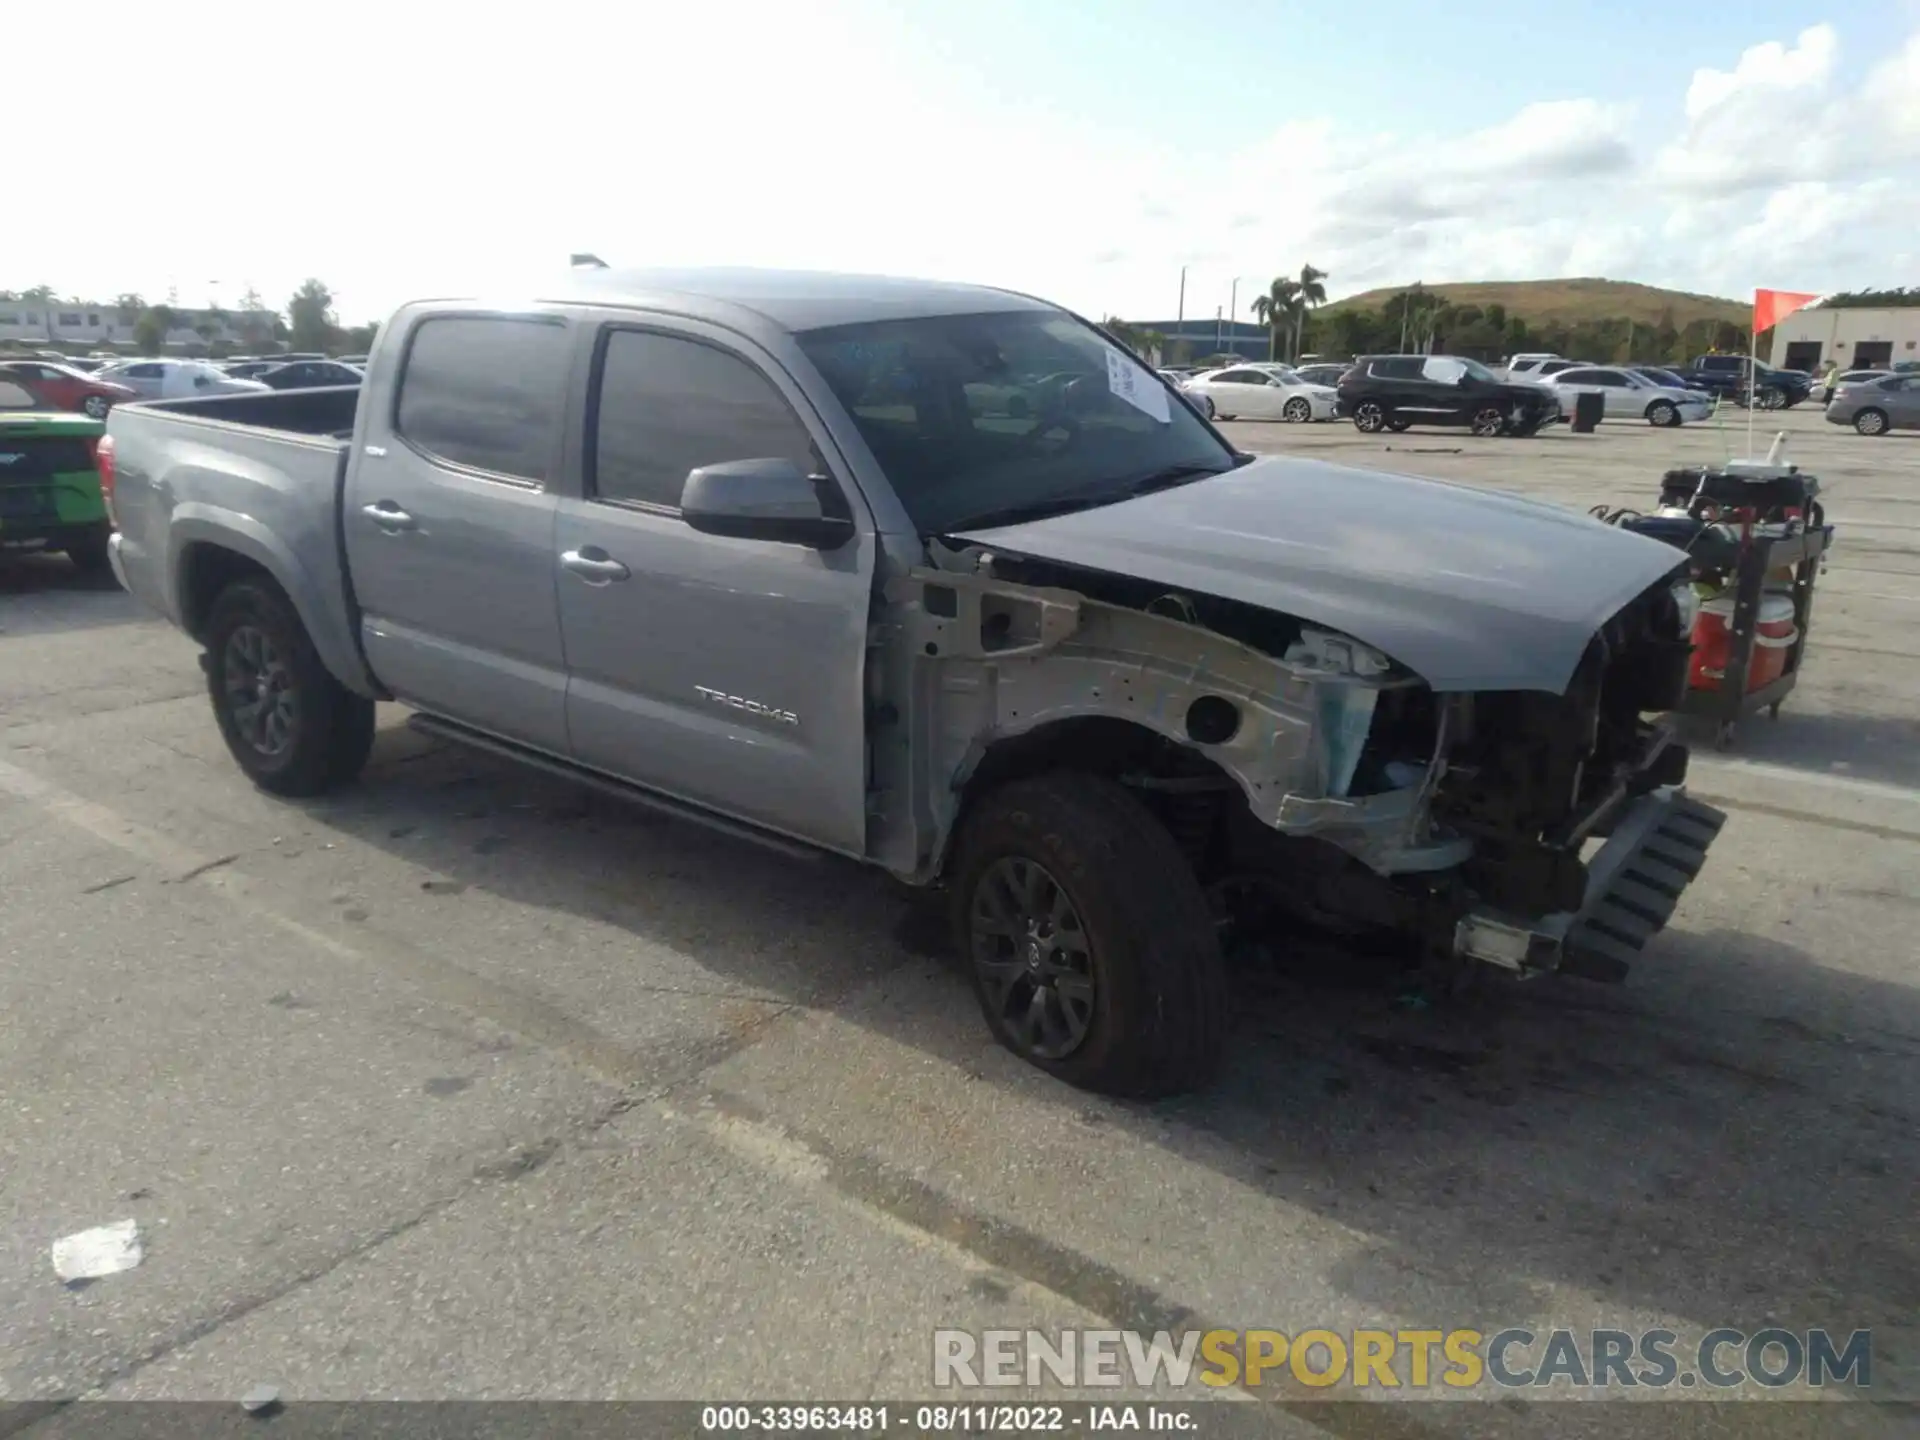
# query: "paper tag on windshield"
x,y
1135,386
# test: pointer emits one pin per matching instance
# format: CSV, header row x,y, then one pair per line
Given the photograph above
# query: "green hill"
x,y
1569,302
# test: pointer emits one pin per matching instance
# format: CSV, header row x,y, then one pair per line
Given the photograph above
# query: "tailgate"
x,y
47,479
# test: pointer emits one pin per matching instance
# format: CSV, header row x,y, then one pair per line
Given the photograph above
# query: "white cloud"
x,y
393,152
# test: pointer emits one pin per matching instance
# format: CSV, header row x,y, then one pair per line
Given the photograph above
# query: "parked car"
x,y
1728,375
1526,365
1392,392
171,379
1873,407
308,375
1102,677
1630,395
63,387
87,364
1830,387
50,493
360,361
250,369
1661,375
1322,372
1260,392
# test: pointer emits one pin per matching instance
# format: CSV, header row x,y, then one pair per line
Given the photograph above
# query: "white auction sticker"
x,y
1135,386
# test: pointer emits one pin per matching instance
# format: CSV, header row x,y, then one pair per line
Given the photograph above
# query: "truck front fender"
x,y
203,541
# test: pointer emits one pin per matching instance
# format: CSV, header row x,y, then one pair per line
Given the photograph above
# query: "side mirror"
x,y
761,500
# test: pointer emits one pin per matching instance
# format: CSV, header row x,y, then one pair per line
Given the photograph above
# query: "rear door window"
x,y
485,392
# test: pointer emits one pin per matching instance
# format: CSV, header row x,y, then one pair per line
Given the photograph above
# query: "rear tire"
x,y
287,722
90,554
1066,892
1871,422
1663,413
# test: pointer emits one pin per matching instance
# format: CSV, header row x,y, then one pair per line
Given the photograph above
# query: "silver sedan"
x,y
1873,407
177,379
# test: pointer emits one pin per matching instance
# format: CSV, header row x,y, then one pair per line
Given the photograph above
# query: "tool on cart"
x,y
1755,535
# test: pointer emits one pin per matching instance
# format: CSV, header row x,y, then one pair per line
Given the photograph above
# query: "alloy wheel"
x,y
1369,417
259,689
1489,421
1032,956
1297,411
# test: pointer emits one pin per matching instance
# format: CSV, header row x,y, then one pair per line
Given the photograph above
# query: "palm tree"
x,y
1311,293
1274,309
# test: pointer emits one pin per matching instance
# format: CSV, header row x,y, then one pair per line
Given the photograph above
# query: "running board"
x,y
1636,880
606,785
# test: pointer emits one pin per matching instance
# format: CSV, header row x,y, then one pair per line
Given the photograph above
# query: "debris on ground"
x,y
103,1250
261,1400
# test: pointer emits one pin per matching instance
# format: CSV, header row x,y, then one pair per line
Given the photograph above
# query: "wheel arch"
x,y
212,551
1091,743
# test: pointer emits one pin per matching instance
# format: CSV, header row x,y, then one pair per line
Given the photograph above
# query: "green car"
x,y
49,481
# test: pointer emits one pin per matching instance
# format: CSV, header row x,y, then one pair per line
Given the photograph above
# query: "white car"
x,y
1260,392
1630,396
1526,365
175,379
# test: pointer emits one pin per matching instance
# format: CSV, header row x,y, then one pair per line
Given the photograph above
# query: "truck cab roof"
x,y
791,300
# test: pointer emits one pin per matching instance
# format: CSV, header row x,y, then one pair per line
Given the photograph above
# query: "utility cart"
x,y
1756,536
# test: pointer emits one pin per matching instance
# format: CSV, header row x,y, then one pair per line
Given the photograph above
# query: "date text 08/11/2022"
x,y
870,1419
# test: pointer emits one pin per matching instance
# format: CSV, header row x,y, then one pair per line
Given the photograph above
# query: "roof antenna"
x,y
582,258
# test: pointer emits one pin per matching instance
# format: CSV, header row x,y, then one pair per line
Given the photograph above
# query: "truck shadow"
x,y
1730,1139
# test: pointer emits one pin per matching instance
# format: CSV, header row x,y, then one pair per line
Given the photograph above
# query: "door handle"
x,y
593,565
388,516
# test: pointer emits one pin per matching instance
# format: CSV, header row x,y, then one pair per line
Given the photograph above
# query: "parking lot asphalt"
x,y
464,1083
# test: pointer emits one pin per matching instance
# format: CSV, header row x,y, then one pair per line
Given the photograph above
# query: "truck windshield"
x,y
975,417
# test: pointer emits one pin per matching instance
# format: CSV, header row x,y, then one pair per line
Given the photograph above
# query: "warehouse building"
x,y
1854,339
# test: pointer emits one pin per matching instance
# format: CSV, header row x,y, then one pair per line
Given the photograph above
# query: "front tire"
x,y
1871,422
1772,399
1297,411
287,722
1489,421
1092,950
1370,417
1663,413
96,407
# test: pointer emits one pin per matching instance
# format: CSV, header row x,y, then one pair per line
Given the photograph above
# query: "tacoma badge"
x,y
752,707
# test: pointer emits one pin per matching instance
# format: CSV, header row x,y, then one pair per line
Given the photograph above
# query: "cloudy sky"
x,y
1081,149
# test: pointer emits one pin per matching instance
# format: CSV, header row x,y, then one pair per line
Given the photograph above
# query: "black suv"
x,y
1391,392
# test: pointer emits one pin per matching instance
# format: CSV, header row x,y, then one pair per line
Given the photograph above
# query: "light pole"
x,y
1181,316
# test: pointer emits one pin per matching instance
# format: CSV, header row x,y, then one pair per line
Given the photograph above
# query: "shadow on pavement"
x,y
1730,1139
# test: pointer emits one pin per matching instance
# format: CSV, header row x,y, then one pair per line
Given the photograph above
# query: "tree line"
x,y
306,323
1418,320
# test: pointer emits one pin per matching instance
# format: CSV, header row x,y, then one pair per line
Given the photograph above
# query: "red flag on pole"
x,y
1770,307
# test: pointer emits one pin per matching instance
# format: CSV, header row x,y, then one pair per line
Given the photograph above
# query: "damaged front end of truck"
x,y
1308,772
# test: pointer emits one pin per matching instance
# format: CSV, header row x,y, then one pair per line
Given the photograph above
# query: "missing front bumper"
x,y
1656,848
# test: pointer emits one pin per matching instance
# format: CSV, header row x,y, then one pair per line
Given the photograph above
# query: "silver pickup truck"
x,y
942,579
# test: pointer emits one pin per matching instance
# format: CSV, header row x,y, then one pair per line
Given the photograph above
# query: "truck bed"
x,y
325,413
257,475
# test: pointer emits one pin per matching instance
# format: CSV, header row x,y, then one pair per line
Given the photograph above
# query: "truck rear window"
x,y
486,392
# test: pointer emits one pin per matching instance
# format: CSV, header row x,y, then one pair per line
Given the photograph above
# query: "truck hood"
x,y
1470,589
